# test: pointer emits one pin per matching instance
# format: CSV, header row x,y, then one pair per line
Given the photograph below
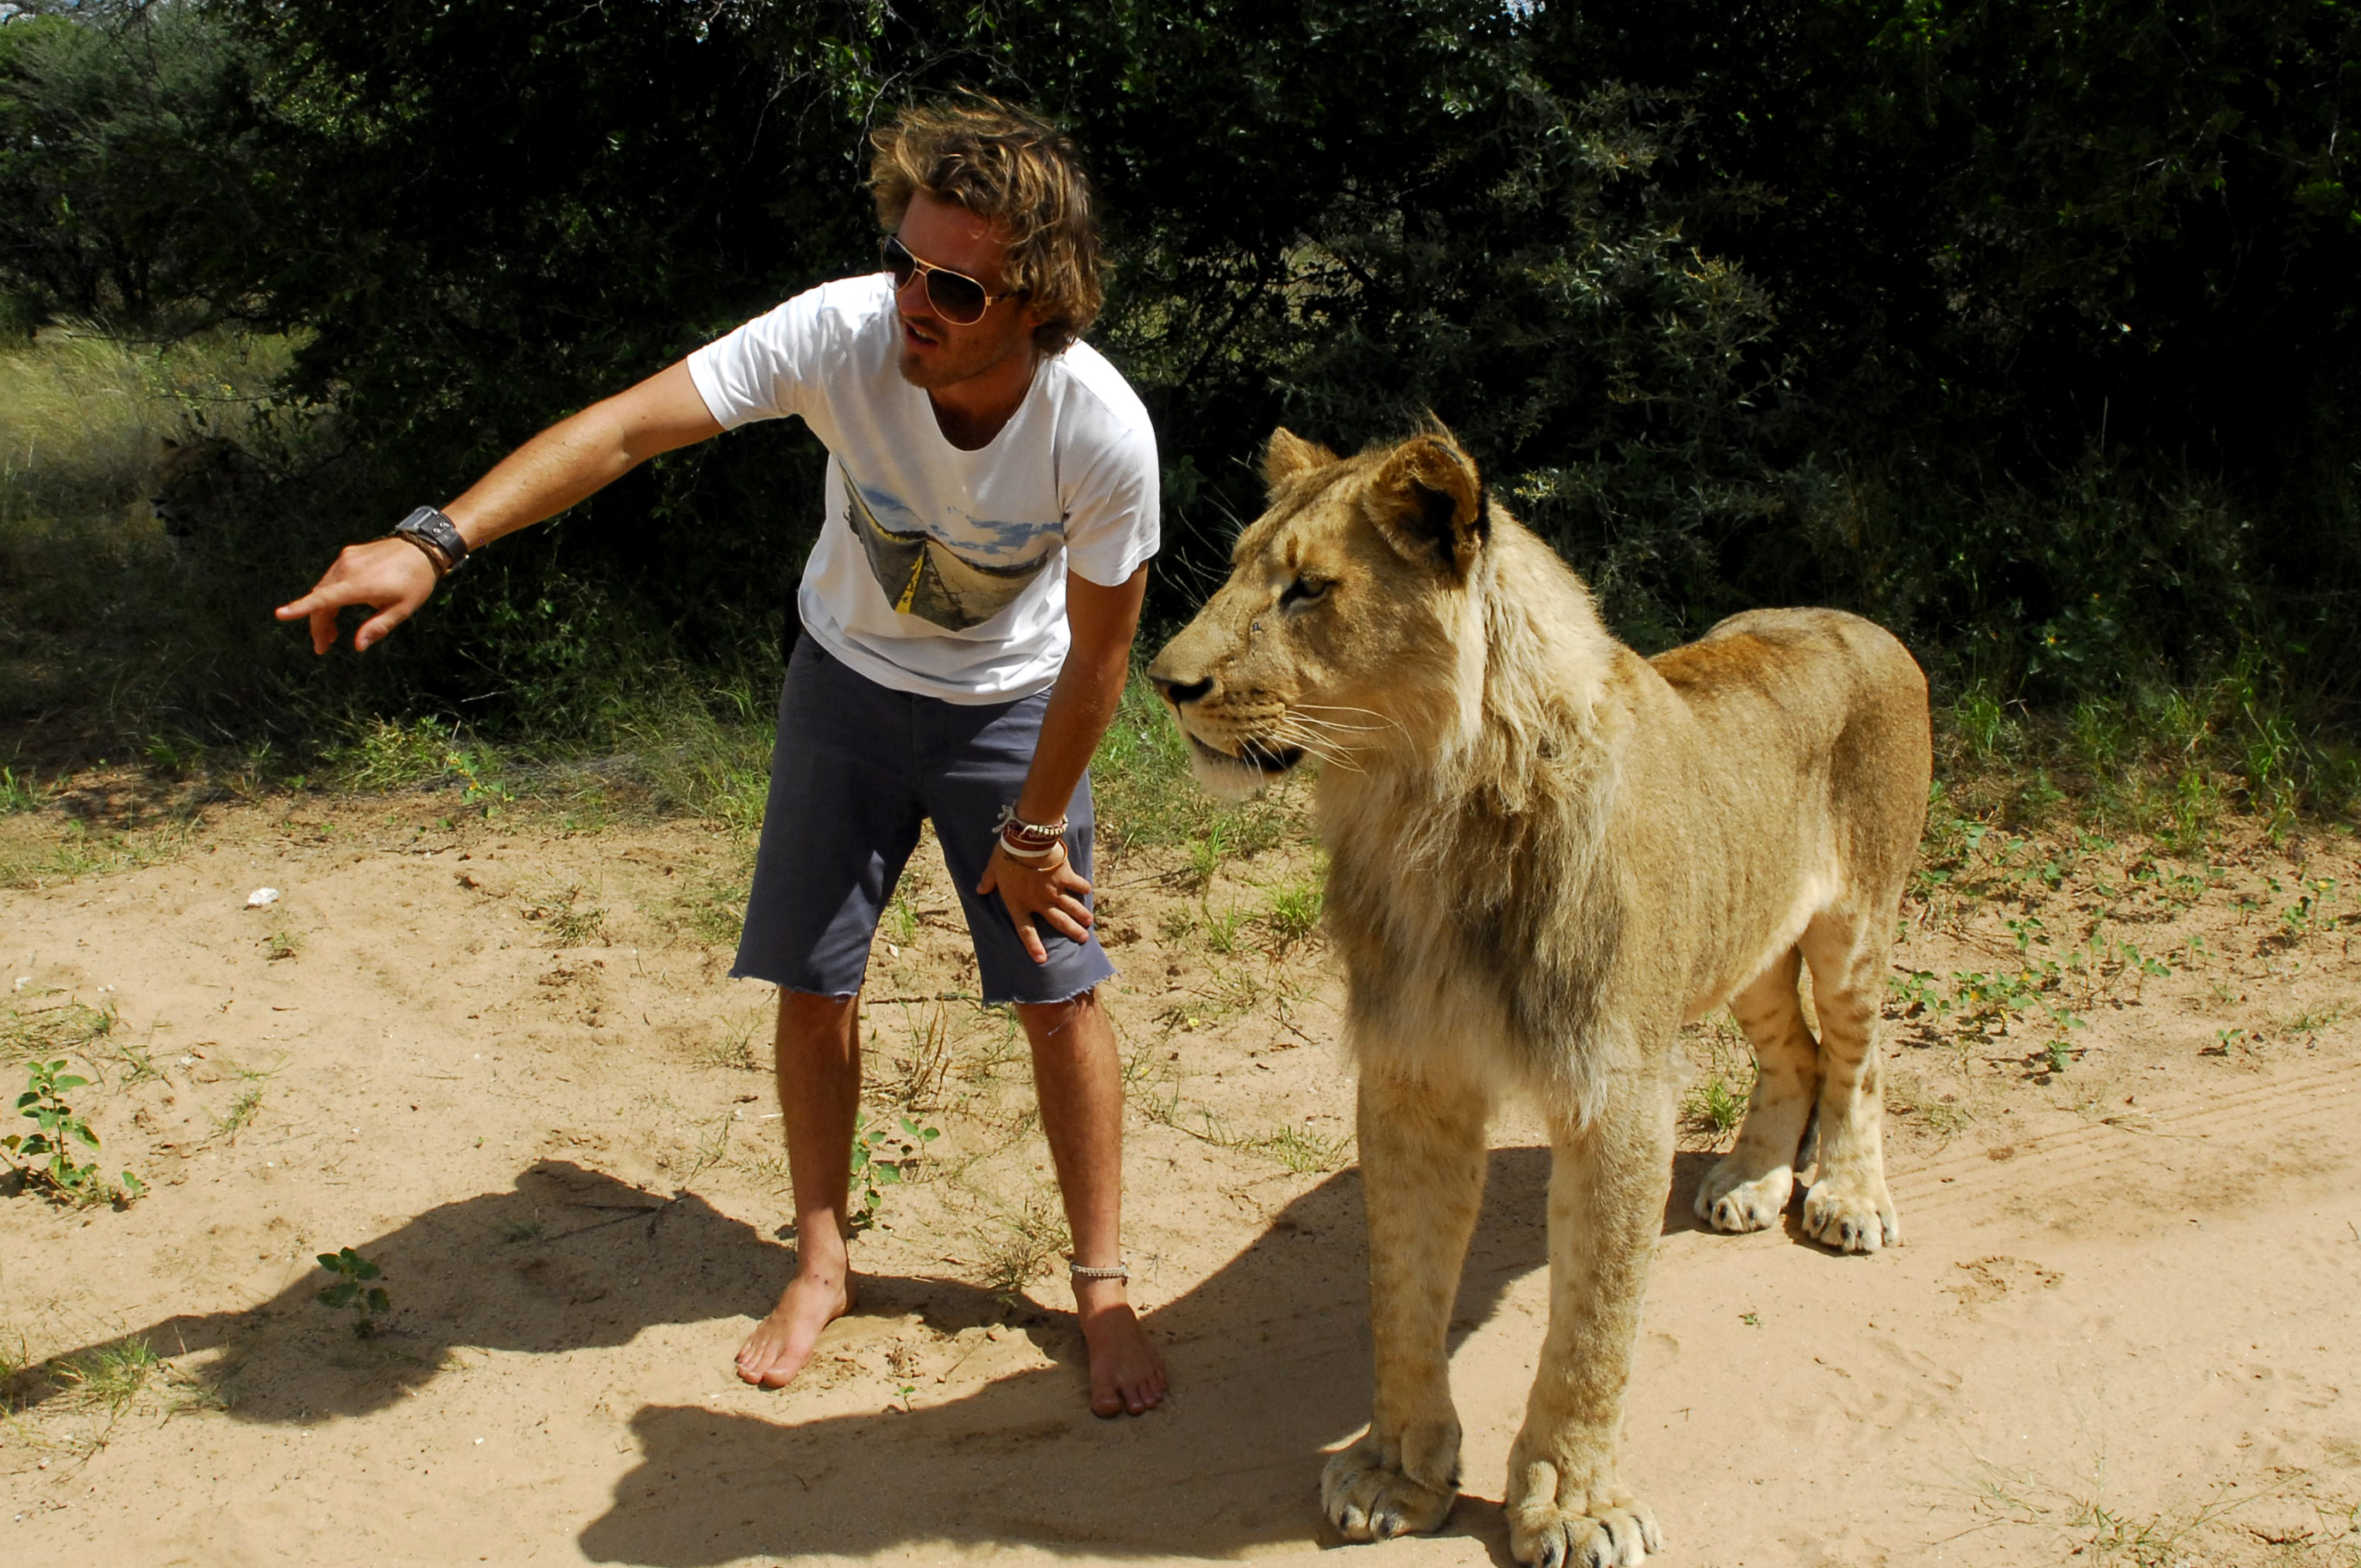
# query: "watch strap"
x,y
429,526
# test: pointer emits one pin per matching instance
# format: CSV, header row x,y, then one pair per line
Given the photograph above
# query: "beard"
x,y
953,359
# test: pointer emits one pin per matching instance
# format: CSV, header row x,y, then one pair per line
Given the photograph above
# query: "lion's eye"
x,y
1303,590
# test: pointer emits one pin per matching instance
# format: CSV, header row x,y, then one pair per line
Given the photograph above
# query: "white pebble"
x,y
262,895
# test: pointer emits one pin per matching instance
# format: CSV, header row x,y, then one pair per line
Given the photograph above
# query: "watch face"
x,y
432,526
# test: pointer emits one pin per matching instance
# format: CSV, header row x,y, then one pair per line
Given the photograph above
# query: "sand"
x,y
502,1060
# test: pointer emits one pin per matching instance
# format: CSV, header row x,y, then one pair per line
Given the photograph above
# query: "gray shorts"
x,y
856,769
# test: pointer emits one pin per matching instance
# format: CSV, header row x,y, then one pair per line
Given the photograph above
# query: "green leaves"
x,y
353,1289
56,1130
880,1160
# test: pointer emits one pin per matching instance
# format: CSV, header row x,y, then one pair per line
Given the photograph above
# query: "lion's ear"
x,y
1428,501
1290,455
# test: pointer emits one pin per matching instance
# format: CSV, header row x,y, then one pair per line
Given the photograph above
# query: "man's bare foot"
x,y
782,1342
1126,1373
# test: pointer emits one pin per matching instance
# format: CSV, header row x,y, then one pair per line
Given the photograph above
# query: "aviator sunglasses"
x,y
957,297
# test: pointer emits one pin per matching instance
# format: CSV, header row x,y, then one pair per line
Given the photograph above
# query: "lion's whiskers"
x,y
1331,752
1303,708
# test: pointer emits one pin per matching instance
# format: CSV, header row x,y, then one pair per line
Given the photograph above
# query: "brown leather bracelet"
x,y
426,548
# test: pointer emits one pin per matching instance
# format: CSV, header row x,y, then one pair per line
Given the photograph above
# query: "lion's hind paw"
x,y
1852,1216
1369,1499
1620,1533
1731,1202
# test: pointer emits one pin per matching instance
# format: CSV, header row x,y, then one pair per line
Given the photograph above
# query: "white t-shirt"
x,y
939,571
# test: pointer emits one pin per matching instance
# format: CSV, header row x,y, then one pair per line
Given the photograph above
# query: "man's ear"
x,y
1428,501
1290,455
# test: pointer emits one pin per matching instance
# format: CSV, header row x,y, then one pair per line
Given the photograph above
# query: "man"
x,y
969,610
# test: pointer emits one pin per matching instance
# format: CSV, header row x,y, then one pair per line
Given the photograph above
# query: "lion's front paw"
x,y
1618,1531
1730,1199
1852,1214
1369,1498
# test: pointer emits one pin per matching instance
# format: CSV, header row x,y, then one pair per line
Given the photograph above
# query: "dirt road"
x,y
502,1061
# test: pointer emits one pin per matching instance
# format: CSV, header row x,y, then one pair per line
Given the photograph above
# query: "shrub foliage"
x,y
2029,327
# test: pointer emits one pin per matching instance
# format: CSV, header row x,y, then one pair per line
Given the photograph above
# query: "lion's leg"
x,y
1422,1179
1607,1192
1848,1206
1748,1188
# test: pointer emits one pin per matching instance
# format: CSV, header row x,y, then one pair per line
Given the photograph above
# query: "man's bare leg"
x,y
819,1095
1081,1087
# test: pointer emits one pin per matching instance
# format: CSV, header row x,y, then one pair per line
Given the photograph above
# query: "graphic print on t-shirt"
x,y
925,578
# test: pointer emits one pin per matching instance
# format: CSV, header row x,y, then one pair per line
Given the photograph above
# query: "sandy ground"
x,y
500,1060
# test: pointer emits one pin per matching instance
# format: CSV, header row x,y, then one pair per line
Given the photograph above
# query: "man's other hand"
x,y
1054,896
392,577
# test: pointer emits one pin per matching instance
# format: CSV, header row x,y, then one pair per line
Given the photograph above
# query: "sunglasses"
x,y
957,297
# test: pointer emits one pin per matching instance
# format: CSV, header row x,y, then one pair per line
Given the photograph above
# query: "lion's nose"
x,y
1177,693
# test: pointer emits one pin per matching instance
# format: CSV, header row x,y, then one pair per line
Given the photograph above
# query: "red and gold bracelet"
x,y
1030,840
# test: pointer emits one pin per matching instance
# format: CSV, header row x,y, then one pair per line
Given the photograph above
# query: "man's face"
x,y
936,352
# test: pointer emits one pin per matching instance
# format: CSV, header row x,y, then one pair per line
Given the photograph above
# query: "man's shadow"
x,y
569,1259
1271,1362
1270,1354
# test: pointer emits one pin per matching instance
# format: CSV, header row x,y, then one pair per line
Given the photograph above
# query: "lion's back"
x,y
1812,690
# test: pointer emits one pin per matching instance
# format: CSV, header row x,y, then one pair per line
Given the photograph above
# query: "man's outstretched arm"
x,y
572,460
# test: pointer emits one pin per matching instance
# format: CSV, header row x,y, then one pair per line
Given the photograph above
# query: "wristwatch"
x,y
437,535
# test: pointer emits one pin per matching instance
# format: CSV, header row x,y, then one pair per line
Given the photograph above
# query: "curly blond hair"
x,y
1012,168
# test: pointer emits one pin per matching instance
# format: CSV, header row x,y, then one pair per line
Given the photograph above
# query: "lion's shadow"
x,y
1270,1354
1271,1363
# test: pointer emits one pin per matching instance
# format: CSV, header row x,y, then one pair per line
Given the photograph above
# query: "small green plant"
x,y
1983,998
1207,854
352,1289
569,924
2027,931
576,928
1027,1239
1917,993
281,945
2312,1020
1983,723
1221,931
57,1129
2227,1042
231,1123
1294,913
882,1159
1714,1106
112,1376
1302,1150
2301,918
514,1232
17,792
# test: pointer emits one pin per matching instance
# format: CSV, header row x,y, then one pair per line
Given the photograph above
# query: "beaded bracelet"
x,y
1021,836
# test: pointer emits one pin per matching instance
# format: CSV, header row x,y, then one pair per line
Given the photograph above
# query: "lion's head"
x,y
1345,625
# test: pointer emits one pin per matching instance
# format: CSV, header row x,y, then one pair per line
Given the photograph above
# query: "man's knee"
x,y
1057,1023
803,1013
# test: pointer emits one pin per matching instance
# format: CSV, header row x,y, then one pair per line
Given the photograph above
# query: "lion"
x,y
1547,854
